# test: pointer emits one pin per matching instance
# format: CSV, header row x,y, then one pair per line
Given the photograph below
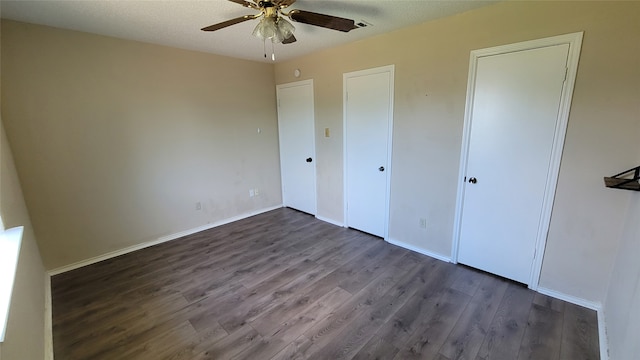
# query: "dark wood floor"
x,y
283,285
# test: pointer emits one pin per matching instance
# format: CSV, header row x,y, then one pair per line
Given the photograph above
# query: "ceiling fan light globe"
x,y
285,28
266,29
280,36
275,29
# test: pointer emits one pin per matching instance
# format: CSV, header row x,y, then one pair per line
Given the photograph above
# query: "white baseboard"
x,y
48,328
596,306
418,250
336,223
160,240
602,335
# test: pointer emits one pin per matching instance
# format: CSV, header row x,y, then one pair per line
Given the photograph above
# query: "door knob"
x,y
309,160
473,180
381,168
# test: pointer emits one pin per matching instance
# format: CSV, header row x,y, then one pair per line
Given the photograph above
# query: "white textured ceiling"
x,y
177,23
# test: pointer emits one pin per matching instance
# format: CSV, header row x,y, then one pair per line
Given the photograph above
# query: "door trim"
x,y
574,40
378,70
313,137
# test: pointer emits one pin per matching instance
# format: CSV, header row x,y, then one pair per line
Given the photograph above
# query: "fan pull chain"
x,y
264,47
273,53
273,50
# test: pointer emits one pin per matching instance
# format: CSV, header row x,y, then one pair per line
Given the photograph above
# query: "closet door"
x,y
297,145
515,113
368,120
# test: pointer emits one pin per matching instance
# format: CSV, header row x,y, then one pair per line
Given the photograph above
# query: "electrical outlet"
x,y
423,223
251,193
256,192
198,205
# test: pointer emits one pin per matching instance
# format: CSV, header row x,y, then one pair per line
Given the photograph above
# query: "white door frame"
x,y
313,141
575,42
378,70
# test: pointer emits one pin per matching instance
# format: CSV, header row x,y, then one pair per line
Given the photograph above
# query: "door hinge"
x,y
566,72
535,252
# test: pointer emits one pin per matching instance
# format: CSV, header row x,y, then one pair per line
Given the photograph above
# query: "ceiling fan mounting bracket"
x,y
266,4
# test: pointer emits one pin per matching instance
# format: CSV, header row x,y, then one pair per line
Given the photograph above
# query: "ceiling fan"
x,y
273,26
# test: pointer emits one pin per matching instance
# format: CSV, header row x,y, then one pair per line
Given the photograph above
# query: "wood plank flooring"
x,y
283,285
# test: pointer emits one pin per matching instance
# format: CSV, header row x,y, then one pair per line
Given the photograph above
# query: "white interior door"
x,y
514,117
297,145
368,123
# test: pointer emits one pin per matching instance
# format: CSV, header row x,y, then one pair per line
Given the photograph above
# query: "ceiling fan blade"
x,y
289,40
322,20
224,24
245,3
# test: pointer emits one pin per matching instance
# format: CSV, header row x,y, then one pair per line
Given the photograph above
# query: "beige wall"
x,y
622,308
430,87
622,305
24,338
115,141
